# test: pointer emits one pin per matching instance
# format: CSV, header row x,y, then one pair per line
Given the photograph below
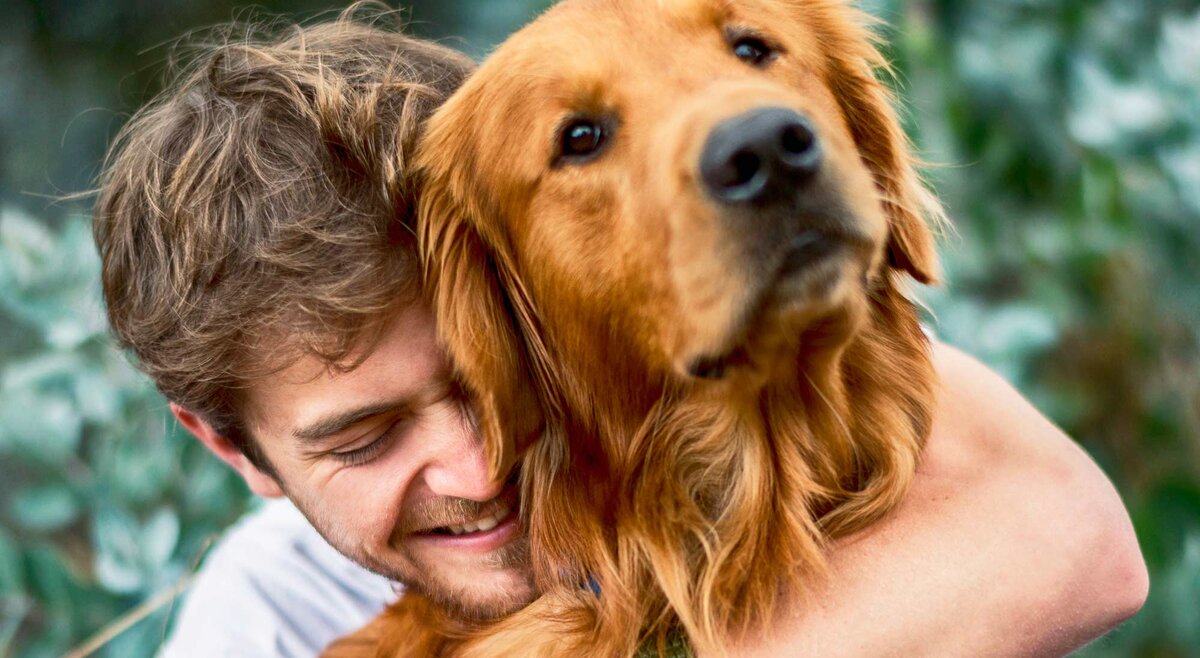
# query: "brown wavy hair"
x,y
258,209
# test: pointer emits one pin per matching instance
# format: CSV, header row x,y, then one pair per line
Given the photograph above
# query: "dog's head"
x,y
666,190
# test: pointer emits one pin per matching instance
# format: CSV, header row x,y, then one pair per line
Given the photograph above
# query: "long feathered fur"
x,y
673,495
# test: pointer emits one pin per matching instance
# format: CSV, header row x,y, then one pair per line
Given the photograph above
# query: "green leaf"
x,y
12,576
1181,591
48,280
116,536
46,426
141,468
97,399
46,508
53,583
160,535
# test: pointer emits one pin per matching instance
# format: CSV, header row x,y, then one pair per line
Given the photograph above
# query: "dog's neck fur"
x,y
765,477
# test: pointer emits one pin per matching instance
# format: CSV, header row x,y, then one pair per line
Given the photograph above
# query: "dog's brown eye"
x,y
752,50
581,138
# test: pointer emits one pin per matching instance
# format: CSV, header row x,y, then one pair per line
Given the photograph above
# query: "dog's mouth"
x,y
807,250
803,271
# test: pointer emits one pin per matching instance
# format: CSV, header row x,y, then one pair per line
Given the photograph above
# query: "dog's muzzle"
x,y
766,170
781,212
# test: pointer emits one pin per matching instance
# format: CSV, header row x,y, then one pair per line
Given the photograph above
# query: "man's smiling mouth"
x,y
482,524
497,527
463,524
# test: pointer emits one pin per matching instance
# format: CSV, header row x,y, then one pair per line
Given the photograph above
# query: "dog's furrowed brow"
x,y
571,88
701,13
589,92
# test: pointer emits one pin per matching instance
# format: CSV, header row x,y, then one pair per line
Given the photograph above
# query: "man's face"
x,y
385,462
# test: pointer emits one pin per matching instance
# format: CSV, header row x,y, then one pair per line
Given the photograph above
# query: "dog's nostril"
x,y
797,139
798,148
735,175
745,166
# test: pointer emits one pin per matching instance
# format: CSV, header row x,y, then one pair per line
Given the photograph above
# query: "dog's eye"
x,y
581,138
752,50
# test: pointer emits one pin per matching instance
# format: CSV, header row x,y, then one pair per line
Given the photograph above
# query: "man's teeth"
x,y
480,525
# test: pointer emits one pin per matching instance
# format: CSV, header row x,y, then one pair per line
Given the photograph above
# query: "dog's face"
x,y
668,236
692,181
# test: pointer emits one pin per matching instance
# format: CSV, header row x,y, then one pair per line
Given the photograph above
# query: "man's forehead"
x,y
402,360
274,403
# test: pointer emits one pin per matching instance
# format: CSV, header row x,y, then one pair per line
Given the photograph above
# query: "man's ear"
x,y
260,483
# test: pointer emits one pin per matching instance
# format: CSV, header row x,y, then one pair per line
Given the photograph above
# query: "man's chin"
x,y
483,599
473,588
472,583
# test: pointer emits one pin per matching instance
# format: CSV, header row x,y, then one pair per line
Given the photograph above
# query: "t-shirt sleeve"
x,y
273,587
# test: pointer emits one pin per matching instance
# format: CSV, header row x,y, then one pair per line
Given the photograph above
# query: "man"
x,y
255,260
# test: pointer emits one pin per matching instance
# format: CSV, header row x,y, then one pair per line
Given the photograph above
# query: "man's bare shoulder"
x,y
1011,542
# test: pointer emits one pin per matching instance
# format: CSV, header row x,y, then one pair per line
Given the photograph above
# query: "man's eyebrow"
x,y
338,422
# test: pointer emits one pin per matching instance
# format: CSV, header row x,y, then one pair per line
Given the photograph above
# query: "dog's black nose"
x,y
756,155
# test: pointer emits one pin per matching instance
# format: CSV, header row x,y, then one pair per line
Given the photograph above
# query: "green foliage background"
x,y
1067,139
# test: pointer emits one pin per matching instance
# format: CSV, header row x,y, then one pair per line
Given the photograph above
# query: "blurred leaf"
x,y
28,245
140,469
45,425
13,610
138,640
1181,585
43,371
213,490
1108,113
1179,51
12,580
160,535
52,582
45,508
1182,164
15,602
97,399
48,280
116,536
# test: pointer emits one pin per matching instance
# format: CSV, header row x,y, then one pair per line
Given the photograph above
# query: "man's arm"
x,y
1012,542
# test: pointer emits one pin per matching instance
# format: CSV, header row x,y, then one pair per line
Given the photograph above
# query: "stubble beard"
x,y
461,601
470,604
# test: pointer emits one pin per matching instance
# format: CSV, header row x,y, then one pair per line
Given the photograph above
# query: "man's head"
x,y
252,225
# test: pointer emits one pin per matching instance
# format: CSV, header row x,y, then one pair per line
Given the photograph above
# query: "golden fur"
x,y
572,298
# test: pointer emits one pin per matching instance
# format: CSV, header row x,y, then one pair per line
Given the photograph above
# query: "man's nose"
x,y
458,467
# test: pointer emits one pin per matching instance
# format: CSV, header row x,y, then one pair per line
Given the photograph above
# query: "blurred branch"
x,y
129,619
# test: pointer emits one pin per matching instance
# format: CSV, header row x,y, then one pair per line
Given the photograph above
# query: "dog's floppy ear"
x,y
469,285
868,106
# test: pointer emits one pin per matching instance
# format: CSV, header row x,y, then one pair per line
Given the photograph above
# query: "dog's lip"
x,y
808,248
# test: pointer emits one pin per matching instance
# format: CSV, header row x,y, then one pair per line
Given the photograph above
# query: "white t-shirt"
x,y
273,587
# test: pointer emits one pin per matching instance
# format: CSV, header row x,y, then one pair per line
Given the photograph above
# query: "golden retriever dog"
x,y
670,240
